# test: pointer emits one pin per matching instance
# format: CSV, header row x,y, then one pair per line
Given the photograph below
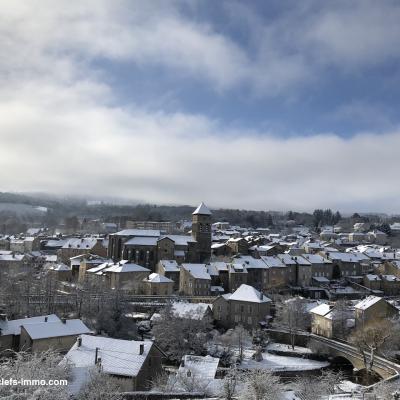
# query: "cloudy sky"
x,y
247,104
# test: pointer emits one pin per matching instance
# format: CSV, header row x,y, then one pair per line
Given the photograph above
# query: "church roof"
x,y
202,209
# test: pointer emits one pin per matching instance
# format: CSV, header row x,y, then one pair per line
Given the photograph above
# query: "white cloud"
x,y
61,130
76,146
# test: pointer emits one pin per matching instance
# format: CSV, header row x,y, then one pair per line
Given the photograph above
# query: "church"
x,y
147,247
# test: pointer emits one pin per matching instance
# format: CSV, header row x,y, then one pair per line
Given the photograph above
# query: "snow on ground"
x,y
349,387
288,348
280,363
290,395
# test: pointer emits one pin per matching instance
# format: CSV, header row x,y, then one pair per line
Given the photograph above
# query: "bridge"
x,y
384,368
337,349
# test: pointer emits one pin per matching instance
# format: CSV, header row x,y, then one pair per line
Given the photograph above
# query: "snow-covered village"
x,y
199,199
201,308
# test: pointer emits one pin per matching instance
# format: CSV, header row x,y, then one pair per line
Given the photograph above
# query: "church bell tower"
x,y
201,231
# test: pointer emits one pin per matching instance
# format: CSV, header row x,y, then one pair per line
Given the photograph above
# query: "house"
x,y
125,276
346,263
237,275
158,285
13,264
390,285
185,310
238,245
194,280
85,262
299,269
256,270
10,330
132,364
372,309
198,311
246,306
202,369
322,320
219,272
57,335
61,272
320,266
277,273
372,281
79,246
171,270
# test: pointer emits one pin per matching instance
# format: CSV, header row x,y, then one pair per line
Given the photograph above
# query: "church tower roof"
x,y
202,209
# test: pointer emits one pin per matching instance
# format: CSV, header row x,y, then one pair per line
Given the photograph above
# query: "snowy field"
x,y
275,363
288,348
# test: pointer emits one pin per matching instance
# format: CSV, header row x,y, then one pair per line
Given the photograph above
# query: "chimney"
x,y
141,348
46,319
63,320
261,295
3,317
79,341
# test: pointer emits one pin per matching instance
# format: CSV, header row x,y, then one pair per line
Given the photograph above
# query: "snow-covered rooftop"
x,y
170,265
198,271
157,278
200,367
367,302
118,357
190,310
250,294
43,330
126,267
202,209
323,310
13,327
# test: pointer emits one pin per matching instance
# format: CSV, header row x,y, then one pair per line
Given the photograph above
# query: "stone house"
x,y
390,285
125,276
194,280
320,266
238,245
277,274
372,281
61,272
171,270
79,246
237,275
345,264
86,262
13,264
158,285
57,335
10,330
373,309
131,364
246,306
322,320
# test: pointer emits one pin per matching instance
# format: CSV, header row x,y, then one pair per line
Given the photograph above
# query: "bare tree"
x,y
370,339
230,384
339,319
100,386
165,382
236,338
261,384
34,367
292,315
180,335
